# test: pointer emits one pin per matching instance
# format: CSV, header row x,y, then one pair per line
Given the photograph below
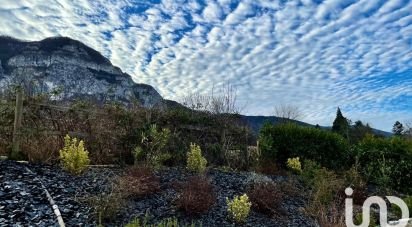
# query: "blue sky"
x,y
316,55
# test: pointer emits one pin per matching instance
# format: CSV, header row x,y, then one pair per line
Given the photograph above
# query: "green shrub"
x,y
151,147
106,205
325,203
310,169
359,220
353,178
280,142
294,164
386,161
73,156
235,158
324,183
195,161
239,208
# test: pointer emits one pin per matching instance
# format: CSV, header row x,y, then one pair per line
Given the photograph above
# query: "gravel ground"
x,y
23,202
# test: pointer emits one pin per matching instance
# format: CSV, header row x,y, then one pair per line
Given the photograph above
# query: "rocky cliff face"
x,y
70,69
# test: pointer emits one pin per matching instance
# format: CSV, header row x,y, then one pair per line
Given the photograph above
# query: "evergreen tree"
x,y
341,124
397,129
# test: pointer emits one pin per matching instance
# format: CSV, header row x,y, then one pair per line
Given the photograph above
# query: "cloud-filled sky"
x,y
317,55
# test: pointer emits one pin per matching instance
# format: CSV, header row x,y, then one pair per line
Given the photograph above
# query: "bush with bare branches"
x,y
196,195
138,182
266,198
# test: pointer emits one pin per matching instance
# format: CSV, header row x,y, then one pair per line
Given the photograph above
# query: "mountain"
x,y
70,69
256,122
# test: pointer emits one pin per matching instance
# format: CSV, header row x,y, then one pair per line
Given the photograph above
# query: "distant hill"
x,y
256,122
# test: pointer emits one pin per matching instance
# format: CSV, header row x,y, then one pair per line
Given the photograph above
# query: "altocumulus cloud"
x,y
309,53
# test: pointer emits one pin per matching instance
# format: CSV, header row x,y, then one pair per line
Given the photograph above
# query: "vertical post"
x,y
18,115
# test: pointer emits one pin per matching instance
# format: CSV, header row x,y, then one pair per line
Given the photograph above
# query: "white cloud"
x,y
317,56
212,12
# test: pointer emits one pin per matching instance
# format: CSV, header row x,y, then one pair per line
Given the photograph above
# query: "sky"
x,y
312,54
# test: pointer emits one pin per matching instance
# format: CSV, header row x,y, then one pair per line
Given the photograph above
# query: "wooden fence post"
x,y
18,115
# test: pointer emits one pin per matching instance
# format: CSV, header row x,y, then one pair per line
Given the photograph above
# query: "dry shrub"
x,y
290,187
332,215
196,195
266,198
354,179
41,148
270,168
326,204
138,182
359,195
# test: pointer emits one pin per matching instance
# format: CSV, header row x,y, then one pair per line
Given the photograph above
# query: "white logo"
x,y
383,212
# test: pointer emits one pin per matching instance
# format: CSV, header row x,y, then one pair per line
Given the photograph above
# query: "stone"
x,y
34,209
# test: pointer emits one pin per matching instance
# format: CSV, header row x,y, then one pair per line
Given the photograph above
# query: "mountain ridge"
x,y
61,62
256,122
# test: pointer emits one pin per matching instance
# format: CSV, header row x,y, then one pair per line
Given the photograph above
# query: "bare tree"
x,y
288,112
222,104
222,101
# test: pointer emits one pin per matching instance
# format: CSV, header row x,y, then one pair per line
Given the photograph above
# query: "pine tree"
x,y
341,124
397,129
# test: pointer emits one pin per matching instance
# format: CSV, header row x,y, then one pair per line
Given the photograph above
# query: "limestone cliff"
x,y
70,67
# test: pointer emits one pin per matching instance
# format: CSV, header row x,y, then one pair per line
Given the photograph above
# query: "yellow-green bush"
x,y
195,161
294,164
74,156
239,208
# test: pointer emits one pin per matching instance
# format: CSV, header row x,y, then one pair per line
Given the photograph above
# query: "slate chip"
x,y
23,202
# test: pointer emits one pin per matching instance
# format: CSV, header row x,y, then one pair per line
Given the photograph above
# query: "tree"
x,y
341,124
397,129
358,131
224,101
288,112
221,105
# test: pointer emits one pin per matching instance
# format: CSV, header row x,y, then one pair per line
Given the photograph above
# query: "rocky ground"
x,y
23,202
